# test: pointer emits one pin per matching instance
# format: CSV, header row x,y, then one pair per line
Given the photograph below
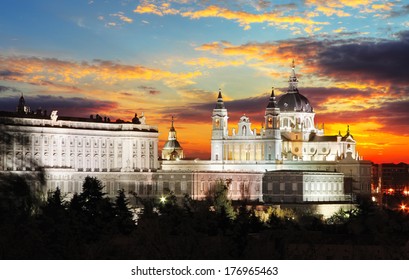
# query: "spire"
x,y
220,103
349,133
272,101
172,131
293,81
172,128
21,107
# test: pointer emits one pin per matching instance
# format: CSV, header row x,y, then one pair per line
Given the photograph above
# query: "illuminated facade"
x,y
78,144
289,160
289,142
288,134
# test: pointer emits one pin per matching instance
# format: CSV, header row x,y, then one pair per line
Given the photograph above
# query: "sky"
x,y
169,58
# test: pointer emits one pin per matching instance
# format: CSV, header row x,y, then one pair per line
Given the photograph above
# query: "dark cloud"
x,y
150,90
400,11
384,61
262,4
392,116
75,106
5,88
286,7
7,74
56,85
252,107
319,95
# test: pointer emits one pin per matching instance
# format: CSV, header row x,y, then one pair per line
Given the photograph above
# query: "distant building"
x,y
391,178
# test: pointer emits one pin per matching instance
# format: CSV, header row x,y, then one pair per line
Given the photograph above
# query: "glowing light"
x,y
403,207
163,199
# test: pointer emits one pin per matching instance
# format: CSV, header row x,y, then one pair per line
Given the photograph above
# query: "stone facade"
x,y
293,186
77,144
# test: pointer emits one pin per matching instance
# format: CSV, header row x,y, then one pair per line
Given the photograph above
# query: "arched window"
x,y
217,123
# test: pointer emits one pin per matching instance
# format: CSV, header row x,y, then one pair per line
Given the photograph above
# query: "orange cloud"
x,y
335,7
213,63
122,17
34,70
277,53
383,7
245,19
329,11
149,8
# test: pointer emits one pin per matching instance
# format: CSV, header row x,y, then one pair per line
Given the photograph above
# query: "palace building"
x,y
289,161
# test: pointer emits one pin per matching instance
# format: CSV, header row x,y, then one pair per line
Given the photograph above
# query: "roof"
x,y
293,101
172,144
220,103
323,138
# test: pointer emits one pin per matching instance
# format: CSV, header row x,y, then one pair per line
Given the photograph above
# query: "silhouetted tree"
x,y
17,199
123,216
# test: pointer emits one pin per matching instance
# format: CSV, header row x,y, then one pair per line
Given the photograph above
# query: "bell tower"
x,y
272,133
219,128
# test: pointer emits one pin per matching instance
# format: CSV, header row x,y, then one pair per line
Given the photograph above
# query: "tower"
x,y
219,128
272,130
172,149
22,108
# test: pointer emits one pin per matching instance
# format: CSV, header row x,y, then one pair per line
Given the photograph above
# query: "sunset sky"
x,y
117,58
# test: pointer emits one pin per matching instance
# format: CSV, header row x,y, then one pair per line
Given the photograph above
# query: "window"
x,y
217,123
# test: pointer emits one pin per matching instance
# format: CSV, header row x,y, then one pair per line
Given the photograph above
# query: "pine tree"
x,y
123,215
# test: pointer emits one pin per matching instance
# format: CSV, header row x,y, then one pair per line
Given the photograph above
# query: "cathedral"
x,y
288,134
288,162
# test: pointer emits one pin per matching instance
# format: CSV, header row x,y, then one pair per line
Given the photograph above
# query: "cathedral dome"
x,y
293,101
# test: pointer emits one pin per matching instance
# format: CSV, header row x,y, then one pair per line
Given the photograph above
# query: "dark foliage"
x,y
90,226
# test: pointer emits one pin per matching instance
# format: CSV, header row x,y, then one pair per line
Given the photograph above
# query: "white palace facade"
x,y
288,161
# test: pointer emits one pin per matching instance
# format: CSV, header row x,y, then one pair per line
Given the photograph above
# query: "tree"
x,y
17,199
55,208
94,202
123,216
222,204
91,212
